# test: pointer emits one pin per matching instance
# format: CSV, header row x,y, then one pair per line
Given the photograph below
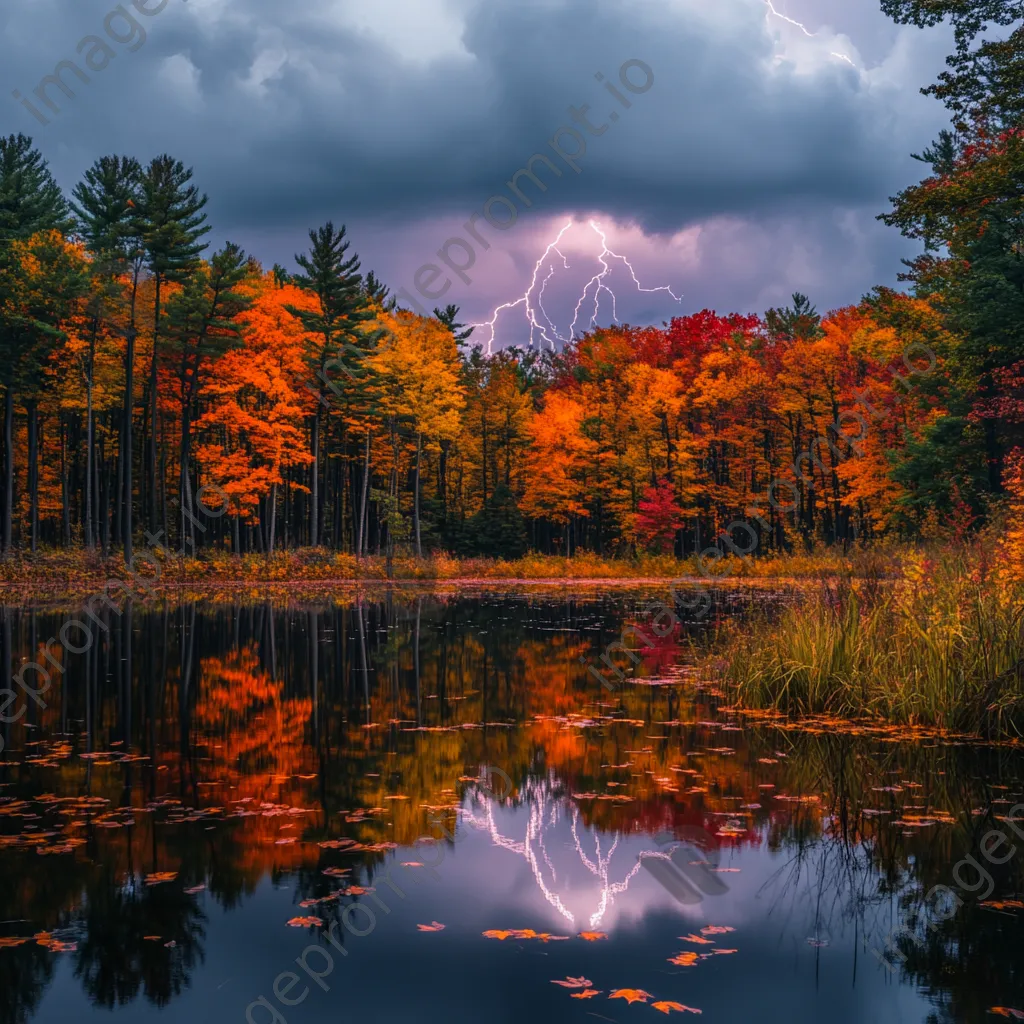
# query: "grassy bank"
x,y
942,646
65,573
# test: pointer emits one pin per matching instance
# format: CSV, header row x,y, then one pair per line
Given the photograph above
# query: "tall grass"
x,y
941,646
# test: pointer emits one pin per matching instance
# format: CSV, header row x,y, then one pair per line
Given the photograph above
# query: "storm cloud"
x,y
755,164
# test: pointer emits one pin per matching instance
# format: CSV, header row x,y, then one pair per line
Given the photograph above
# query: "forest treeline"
x,y
146,380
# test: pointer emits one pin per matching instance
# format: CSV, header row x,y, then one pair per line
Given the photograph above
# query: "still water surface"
x,y
206,775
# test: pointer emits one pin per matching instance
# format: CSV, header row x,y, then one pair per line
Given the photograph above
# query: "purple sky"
x,y
753,166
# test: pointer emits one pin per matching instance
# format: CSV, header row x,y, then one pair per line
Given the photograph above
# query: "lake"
x,y
427,806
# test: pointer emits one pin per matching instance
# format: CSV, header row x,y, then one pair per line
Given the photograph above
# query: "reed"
x,y
942,646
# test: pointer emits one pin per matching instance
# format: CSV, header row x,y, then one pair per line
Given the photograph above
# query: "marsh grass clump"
x,y
941,646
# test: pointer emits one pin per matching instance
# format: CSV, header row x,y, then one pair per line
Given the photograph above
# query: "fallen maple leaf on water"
x,y
571,982
697,939
1006,1011
716,929
161,876
587,993
592,936
522,933
631,995
305,922
685,959
434,926
667,1007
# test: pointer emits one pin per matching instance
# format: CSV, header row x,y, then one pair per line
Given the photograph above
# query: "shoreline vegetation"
x,y
929,638
55,572
941,648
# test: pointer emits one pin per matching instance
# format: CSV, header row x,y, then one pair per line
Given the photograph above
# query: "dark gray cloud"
x,y
392,115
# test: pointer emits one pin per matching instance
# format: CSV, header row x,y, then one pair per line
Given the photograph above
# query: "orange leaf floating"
x,y
696,939
193,889
412,864
592,936
571,982
1003,904
686,959
9,943
587,994
667,1007
1006,1011
161,876
716,929
434,926
631,995
523,933
305,922
724,951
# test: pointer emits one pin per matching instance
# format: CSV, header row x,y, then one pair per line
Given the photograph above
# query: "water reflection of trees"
x,y
891,886
116,961
258,712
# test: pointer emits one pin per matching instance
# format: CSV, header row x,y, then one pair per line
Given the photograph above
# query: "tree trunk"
x,y
154,429
8,466
125,495
416,503
273,519
314,493
65,485
442,482
187,533
362,504
88,465
32,415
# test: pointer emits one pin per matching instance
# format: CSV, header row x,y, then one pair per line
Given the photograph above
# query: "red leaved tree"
x,y
660,517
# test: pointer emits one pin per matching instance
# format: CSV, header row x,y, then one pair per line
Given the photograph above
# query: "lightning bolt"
x,y
524,299
803,28
550,333
771,11
546,811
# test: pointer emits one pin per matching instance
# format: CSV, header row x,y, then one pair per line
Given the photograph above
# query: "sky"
x,y
751,149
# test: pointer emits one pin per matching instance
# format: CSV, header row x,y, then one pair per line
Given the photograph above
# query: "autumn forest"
x,y
148,386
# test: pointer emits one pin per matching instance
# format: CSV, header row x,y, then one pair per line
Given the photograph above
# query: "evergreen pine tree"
x,y
30,199
172,224
799,322
378,293
30,202
335,325
106,203
447,317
